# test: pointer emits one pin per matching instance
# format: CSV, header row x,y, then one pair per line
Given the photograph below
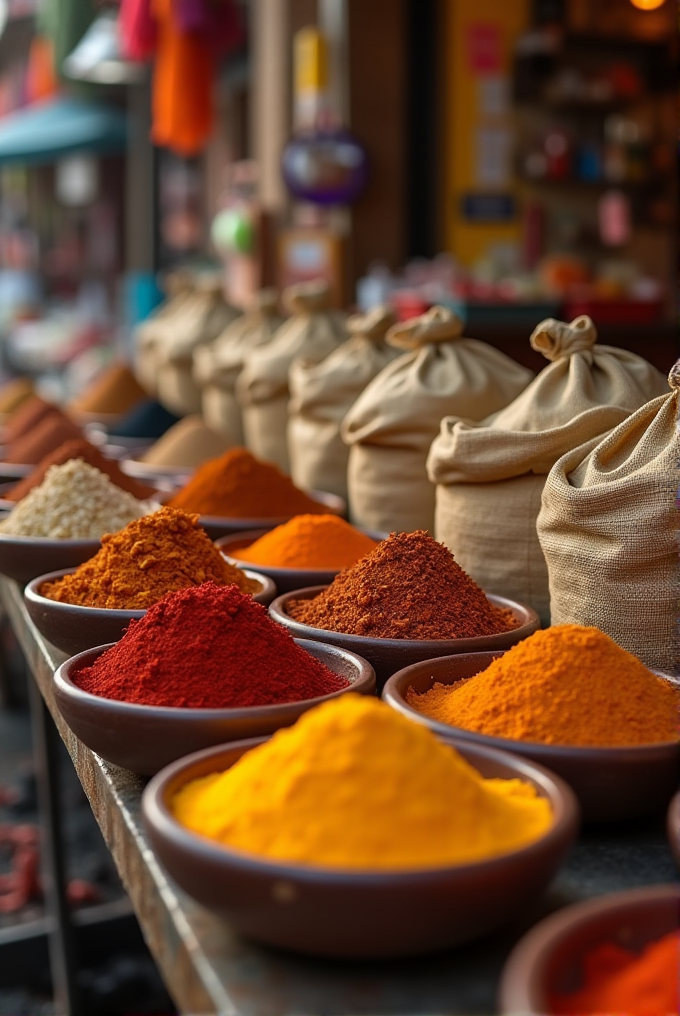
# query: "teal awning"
x,y
59,127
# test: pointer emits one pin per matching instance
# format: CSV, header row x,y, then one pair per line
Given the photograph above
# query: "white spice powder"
x,y
74,501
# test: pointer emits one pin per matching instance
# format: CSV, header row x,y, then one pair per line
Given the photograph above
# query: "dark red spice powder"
x,y
409,587
207,647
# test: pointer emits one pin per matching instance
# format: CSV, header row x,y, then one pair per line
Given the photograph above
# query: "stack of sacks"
x,y
35,429
151,334
322,393
491,475
313,331
393,422
199,320
217,366
608,527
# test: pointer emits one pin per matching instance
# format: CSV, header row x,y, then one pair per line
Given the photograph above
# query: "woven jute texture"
x,y
392,424
608,527
313,331
321,395
490,475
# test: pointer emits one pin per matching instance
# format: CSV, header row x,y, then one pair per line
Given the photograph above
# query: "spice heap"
x,y
353,784
409,587
309,541
568,685
115,391
186,445
14,393
74,501
48,433
138,566
26,416
237,485
208,647
619,981
79,449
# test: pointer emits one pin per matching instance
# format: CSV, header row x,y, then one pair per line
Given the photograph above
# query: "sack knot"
x,y
438,324
557,338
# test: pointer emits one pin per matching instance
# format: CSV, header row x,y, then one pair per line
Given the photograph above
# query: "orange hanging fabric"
x,y
182,86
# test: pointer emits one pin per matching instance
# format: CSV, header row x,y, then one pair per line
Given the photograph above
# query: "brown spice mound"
x,y
116,391
25,417
237,485
79,448
51,431
152,556
409,587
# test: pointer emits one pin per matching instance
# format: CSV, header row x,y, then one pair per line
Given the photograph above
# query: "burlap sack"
x,y
608,527
200,319
218,365
392,424
490,476
313,331
322,393
150,334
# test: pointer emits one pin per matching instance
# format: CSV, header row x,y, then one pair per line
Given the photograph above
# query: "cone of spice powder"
x,y
113,392
187,444
409,587
15,393
308,541
50,432
237,485
208,647
79,448
26,417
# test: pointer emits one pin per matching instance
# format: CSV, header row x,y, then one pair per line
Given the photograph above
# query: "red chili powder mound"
x,y
45,437
207,647
26,417
79,448
238,485
409,587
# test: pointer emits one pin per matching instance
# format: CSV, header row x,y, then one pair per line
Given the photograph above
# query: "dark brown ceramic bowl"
x,y
673,826
217,526
144,739
24,557
611,783
549,959
285,579
73,629
389,655
363,914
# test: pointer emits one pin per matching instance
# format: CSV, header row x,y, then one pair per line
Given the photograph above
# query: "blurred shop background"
x,y
514,159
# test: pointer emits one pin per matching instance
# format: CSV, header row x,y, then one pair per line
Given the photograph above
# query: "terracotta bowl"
x,y
610,783
550,957
389,655
74,628
361,914
673,826
217,526
285,579
144,739
24,557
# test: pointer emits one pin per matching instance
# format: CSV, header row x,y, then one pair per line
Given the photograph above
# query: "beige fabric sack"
x,y
313,331
490,475
609,531
149,335
392,424
200,319
218,365
322,393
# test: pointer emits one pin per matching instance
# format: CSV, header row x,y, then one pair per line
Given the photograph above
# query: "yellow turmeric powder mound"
x,y
309,541
569,685
356,785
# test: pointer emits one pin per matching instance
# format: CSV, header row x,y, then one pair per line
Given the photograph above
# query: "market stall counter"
x,y
209,969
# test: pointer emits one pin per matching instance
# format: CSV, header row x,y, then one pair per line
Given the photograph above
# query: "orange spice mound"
x,y
79,448
51,431
309,541
152,556
237,485
409,587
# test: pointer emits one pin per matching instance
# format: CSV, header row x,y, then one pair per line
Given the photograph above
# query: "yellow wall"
x,y
469,241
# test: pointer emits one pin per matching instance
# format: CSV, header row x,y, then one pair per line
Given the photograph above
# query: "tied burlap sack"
x,y
490,476
322,393
392,424
200,319
313,331
150,334
608,527
218,365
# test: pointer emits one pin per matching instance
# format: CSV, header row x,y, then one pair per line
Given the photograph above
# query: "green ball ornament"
x,y
232,232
